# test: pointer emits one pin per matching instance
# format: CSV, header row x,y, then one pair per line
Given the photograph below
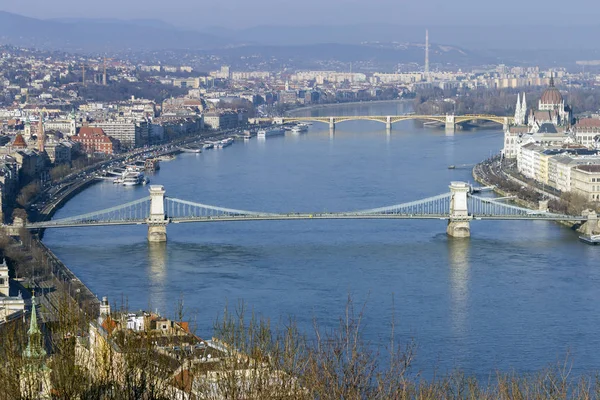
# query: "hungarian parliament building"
x,y
553,148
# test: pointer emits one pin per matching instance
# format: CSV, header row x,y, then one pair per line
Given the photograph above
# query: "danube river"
x,y
516,295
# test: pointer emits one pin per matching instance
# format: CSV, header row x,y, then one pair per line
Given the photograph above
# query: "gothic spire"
x,y
551,79
518,110
34,342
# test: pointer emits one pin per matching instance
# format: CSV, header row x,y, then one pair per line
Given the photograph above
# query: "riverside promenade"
x,y
59,287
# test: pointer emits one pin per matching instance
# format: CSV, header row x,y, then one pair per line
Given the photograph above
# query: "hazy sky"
x,y
245,13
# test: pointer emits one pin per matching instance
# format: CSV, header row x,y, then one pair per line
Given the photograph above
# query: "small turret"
x,y
104,309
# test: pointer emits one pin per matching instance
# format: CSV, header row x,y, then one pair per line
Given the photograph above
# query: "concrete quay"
x,y
61,287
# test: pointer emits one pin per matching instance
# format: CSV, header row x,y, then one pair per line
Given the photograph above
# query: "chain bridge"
x,y
458,207
448,120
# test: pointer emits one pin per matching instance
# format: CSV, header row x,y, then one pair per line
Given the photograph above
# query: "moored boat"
x,y
221,144
264,133
133,179
190,149
592,239
300,128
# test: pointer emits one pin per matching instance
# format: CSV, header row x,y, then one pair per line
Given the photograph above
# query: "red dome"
x,y
551,96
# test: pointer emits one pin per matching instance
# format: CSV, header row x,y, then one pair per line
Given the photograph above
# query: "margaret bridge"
x,y
458,207
449,121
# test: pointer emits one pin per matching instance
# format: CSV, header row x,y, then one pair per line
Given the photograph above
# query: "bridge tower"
x,y
458,224
592,225
157,222
450,123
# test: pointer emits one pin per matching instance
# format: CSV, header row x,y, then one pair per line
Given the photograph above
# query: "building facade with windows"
x,y
94,140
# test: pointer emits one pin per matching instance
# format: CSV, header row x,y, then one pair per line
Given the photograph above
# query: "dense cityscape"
x,y
74,122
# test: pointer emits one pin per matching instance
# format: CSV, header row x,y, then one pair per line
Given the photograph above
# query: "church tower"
x,y
27,130
518,110
524,110
41,135
35,375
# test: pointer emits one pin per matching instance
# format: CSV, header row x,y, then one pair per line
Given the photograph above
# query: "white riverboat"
x,y
593,239
300,128
134,179
221,144
265,133
187,149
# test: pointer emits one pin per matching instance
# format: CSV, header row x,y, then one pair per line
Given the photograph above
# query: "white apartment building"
x,y
330,76
553,165
398,78
585,181
130,133
221,119
65,126
236,76
561,166
587,132
528,159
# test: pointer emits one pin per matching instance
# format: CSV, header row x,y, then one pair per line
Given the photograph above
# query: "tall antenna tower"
x,y
83,74
104,74
427,55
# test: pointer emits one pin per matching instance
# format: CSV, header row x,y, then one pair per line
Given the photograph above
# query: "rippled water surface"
x,y
516,295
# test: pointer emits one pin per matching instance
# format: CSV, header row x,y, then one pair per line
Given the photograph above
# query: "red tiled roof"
x,y
109,325
90,131
588,123
19,141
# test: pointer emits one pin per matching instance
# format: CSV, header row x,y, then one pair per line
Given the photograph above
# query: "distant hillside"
x,y
153,23
99,35
475,34
318,55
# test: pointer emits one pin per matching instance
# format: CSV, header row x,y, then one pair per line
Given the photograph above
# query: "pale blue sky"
x,y
246,13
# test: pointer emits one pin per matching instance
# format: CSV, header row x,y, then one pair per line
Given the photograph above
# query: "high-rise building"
x,y
427,55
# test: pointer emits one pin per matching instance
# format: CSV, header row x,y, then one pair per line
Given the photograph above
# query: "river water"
x,y
516,295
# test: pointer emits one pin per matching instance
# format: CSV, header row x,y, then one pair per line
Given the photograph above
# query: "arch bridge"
x,y
448,120
458,207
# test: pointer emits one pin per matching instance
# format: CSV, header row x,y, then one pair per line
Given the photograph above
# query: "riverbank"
x,y
491,173
54,283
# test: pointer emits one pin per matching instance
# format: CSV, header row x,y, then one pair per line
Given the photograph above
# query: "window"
x,y
1,281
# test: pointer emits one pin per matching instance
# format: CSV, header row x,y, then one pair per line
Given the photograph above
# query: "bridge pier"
x,y
157,222
592,225
505,124
388,124
459,223
450,124
332,124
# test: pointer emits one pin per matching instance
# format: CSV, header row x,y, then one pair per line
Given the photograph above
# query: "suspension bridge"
x,y
458,207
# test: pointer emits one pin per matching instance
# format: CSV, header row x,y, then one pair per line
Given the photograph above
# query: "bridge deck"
x,y
298,217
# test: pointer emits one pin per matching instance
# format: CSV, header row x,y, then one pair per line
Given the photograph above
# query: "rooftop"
x,y
592,168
